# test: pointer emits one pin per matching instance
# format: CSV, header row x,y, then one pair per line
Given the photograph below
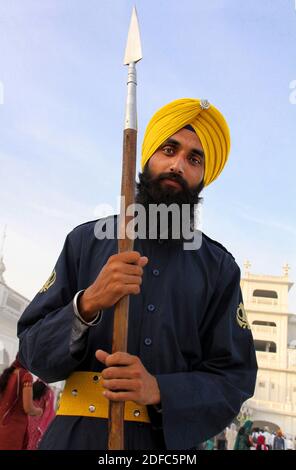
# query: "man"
x,y
191,362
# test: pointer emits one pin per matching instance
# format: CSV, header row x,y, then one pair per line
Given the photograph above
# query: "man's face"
x,y
179,159
173,175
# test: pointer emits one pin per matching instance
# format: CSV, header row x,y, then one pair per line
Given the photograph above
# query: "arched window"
x,y
265,346
269,294
264,323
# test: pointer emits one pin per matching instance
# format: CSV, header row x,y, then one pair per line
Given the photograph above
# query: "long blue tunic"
x,y
184,326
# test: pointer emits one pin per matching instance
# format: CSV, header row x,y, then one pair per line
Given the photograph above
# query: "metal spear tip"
x,y
133,50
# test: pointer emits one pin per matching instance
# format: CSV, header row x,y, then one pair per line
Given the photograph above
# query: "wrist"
x,y
87,311
88,319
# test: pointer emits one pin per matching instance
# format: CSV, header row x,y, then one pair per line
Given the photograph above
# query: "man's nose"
x,y
177,164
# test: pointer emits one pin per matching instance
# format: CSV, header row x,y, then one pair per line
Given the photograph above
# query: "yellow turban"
x,y
206,120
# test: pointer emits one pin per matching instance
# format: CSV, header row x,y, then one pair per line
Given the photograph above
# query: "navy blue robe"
x,y
183,325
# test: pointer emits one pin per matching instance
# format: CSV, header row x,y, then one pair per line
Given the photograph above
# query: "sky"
x,y
62,95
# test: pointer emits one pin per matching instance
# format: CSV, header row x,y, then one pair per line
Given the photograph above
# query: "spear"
x,y
133,53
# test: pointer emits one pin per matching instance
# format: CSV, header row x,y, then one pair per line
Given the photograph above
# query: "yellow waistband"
x,y
82,396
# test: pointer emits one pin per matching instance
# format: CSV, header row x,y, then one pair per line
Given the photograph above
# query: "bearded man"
x,y
191,361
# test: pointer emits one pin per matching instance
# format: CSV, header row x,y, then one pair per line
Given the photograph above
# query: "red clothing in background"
x,y
39,424
13,419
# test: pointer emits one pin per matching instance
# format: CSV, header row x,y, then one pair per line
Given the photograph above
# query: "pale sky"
x,y
61,119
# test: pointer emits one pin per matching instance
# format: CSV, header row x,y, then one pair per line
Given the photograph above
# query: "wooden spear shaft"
x,y
120,327
133,54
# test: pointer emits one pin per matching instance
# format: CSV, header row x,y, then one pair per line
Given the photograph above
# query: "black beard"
x,y
150,190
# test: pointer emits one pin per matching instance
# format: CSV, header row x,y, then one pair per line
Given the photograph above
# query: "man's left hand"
x,y
125,378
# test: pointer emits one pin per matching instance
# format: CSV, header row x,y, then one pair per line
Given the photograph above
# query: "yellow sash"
x,y
82,396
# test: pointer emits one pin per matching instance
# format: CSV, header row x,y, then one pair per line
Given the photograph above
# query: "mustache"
x,y
173,177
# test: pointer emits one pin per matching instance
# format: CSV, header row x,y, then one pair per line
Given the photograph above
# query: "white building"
x,y
12,304
274,331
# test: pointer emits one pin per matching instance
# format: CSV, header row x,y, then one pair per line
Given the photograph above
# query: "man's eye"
x,y
195,160
168,150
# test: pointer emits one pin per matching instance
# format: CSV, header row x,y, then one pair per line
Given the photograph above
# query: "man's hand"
x,y
125,378
121,275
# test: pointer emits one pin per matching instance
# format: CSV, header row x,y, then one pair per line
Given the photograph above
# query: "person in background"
x,y
261,443
221,440
43,397
210,444
16,403
243,438
289,443
268,437
231,434
279,441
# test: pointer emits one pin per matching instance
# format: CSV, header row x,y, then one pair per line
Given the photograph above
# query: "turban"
x,y
208,123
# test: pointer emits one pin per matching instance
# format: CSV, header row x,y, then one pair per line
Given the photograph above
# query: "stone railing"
x,y
269,331
292,359
285,408
264,300
267,359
